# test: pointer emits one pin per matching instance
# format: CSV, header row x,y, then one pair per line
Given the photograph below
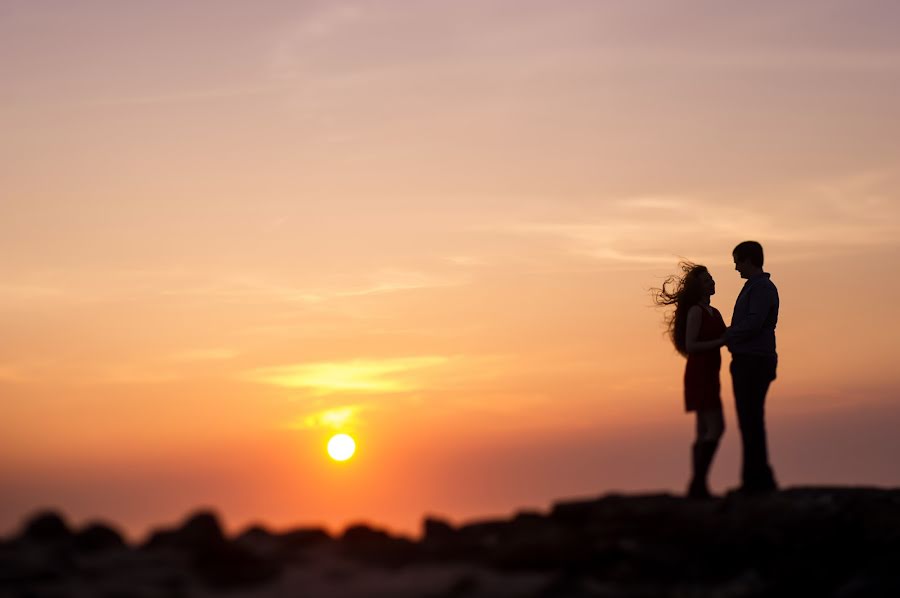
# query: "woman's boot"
x,y
702,457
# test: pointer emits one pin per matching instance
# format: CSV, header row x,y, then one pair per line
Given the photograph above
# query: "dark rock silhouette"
x,y
217,561
436,530
47,528
230,565
842,542
303,539
43,552
375,546
289,547
98,537
199,532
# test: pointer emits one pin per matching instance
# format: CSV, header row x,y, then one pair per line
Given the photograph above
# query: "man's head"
x,y
748,258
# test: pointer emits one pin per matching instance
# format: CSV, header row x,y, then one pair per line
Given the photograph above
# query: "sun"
x,y
341,447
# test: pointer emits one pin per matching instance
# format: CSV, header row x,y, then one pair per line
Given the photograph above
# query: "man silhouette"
x,y
751,340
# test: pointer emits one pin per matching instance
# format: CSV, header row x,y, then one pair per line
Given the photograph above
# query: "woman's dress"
x,y
702,389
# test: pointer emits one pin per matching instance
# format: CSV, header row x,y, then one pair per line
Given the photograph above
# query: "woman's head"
x,y
693,286
699,282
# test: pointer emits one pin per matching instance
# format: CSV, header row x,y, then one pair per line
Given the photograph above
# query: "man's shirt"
x,y
752,330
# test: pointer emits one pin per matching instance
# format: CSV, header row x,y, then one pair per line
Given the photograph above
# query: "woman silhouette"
x,y
698,331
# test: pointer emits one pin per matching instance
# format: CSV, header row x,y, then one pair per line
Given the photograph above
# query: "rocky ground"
x,y
842,542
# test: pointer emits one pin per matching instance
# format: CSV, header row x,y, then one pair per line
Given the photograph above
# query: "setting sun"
x,y
341,447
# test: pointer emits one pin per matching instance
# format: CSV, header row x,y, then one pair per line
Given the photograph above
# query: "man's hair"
x,y
749,250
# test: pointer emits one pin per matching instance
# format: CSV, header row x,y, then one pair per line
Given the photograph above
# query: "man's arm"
x,y
759,302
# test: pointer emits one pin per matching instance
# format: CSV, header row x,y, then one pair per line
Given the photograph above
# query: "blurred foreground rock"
x,y
841,542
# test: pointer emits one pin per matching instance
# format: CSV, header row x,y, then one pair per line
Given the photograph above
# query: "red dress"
x,y
702,389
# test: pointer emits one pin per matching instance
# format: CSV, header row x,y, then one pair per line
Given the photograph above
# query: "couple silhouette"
x,y
698,332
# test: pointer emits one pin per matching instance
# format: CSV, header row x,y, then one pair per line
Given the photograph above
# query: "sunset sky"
x,y
230,230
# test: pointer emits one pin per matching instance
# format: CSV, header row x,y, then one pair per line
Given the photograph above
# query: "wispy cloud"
x,y
706,58
26,293
189,95
239,288
391,281
35,289
836,215
293,45
131,373
212,354
11,373
363,376
466,260
336,418
629,231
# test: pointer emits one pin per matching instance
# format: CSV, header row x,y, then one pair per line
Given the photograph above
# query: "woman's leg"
x,y
710,427
710,424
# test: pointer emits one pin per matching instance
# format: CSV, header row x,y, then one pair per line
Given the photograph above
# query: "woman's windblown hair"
x,y
683,292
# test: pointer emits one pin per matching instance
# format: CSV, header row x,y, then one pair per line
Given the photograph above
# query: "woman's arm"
x,y
692,332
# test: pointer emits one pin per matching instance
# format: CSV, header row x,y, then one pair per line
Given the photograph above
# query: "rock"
x,y
361,533
98,537
796,542
482,534
376,547
259,541
533,542
255,533
42,554
289,546
229,565
202,530
218,562
47,527
436,530
199,532
303,539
